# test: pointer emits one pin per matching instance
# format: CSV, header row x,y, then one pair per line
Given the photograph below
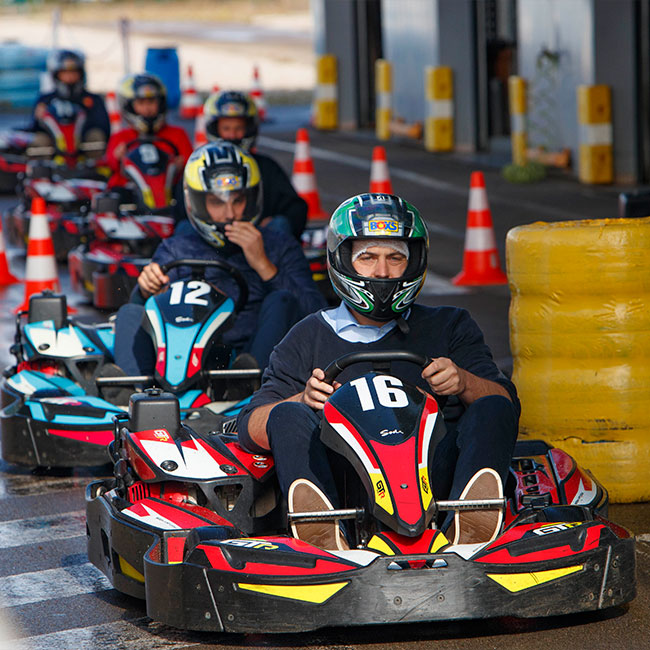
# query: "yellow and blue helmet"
x,y
225,170
142,86
230,103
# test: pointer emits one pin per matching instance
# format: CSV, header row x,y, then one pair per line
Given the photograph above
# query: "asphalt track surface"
x,y
54,599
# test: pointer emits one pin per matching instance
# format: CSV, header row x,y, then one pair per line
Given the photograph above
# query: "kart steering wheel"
x,y
380,361
133,144
198,265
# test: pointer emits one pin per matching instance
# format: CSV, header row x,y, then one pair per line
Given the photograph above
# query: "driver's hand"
x,y
317,391
444,377
249,239
119,151
40,110
151,279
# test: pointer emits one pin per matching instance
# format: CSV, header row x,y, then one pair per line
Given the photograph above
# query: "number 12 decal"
x,y
387,394
192,297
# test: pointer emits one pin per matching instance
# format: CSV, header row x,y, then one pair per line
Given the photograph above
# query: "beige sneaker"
x,y
304,496
478,526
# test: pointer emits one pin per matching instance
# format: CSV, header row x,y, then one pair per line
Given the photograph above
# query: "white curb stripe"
x,y
35,587
40,530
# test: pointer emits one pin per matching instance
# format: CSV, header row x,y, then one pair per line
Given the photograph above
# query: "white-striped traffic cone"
x,y
481,259
6,277
200,134
190,101
258,95
40,268
113,111
304,177
379,176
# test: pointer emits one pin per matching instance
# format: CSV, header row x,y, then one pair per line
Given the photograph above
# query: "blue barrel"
x,y
163,61
20,71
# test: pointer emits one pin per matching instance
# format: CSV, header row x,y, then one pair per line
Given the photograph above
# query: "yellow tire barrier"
x,y
518,100
596,160
439,123
580,341
326,104
383,98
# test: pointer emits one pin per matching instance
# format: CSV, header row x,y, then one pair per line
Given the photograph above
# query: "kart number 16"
x,y
387,394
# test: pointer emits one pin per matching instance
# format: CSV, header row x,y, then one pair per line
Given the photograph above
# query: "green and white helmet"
x,y
386,217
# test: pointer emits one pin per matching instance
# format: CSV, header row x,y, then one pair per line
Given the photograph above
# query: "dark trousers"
x,y
484,437
134,351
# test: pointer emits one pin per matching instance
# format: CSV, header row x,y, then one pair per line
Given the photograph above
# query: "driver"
x,y
67,69
232,116
223,200
142,99
377,259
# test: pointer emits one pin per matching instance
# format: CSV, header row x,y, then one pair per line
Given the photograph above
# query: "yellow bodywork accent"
x,y
317,594
438,542
147,197
378,544
425,487
130,571
515,582
382,498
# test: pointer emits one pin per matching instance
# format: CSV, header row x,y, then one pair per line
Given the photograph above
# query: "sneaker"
x,y
304,496
478,526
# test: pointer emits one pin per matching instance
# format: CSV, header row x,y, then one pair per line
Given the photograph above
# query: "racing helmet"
x,y
142,86
387,218
229,103
225,170
60,60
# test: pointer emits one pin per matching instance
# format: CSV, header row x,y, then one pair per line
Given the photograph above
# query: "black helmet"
x,y
385,217
59,60
229,103
223,169
142,86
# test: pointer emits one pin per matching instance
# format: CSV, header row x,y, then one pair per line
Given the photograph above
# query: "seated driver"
x,y
142,99
223,192
378,278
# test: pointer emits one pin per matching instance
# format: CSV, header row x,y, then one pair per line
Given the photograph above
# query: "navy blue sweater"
x,y
434,332
283,251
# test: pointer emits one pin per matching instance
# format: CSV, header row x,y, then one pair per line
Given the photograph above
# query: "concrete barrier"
x,y
580,340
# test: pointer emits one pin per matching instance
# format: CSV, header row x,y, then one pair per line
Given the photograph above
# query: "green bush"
x,y
531,172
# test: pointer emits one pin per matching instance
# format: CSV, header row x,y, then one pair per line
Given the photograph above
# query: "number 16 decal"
x,y
387,394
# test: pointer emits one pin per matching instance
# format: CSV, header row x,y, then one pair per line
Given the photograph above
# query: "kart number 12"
x,y
387,394
192,297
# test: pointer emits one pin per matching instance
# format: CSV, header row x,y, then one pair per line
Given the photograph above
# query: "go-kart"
x,y
61,174
314,246
126,226
191,523
59,400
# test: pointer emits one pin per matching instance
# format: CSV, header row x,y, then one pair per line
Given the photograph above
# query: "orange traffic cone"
x,y
379,176
40,269
215,89
200,135
113,112
258,95
190,102
6,276
304,177
481,259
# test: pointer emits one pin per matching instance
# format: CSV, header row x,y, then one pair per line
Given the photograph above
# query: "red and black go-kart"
x,y
61,174
124,231
193,524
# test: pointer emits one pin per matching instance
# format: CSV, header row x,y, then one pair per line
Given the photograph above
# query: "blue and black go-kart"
x,y
60,398
194,524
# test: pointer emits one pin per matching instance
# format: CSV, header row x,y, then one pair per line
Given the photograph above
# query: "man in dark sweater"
x,y
377,260
223,197
232,116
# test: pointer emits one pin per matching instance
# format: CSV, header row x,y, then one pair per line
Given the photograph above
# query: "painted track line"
x,y
136,634
420,179
42,530
50,584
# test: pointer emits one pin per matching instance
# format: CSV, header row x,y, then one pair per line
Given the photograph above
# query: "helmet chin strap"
x,y
402,324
